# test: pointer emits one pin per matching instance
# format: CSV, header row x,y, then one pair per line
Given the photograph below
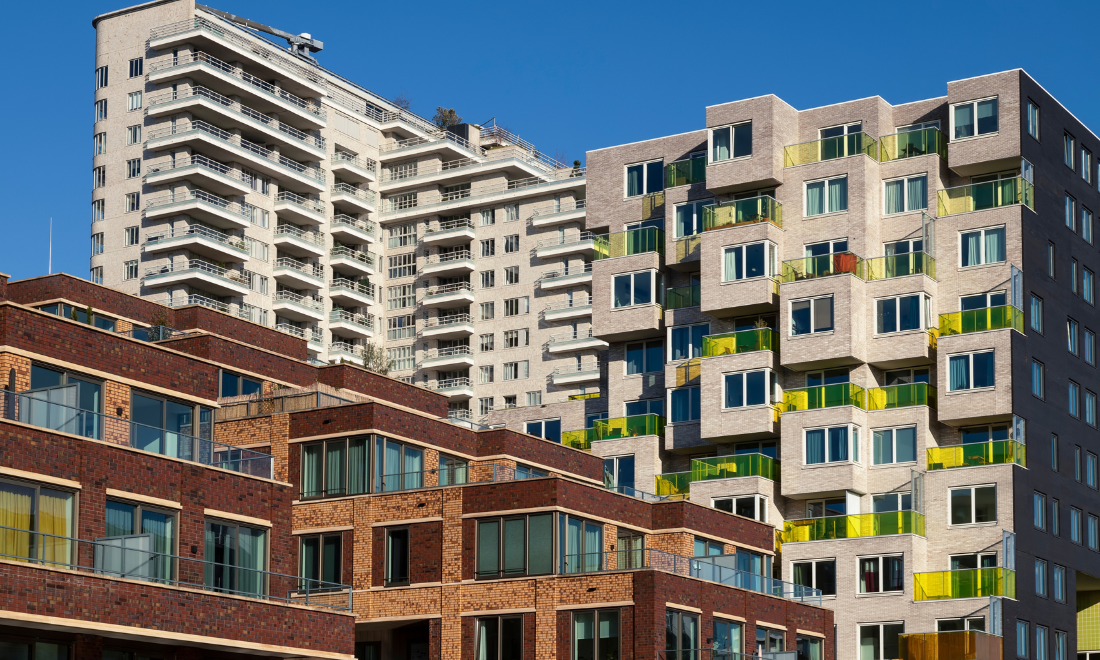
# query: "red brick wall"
x,y
203,318
426,553
382,387
670,515
245,358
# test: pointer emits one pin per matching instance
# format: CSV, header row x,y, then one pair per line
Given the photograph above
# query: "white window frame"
x,y
733,147
854,438
130,236
894,444
645,177
790,317
972,102
806,197
925,307
881,572
522,370
760,505
771,261
970,362
983,230
973,505
631,274
668,341
881,640
772,389
813,572
133,101
130,270
905,194
696,215
668,405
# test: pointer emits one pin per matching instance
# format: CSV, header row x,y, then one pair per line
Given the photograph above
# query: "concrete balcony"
x,y
484,195
356,169
450,264
297,307
351,292
208,105
569,277
510,162
449,233
348,229
737,352
558,214
571,342
299,210
356,262
223,41
347,324
200,205
293,240
456,326
339,351
197,239
454,358
297,275
582,243
225,146
201,171
568,310
441,142
346,197
448,295
200,274
456,389
585,372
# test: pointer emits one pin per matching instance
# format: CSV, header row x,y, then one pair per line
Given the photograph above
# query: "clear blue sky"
x,y
568,76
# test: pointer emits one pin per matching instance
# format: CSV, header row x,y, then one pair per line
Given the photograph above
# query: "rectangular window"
x,y
130,270
974,118
681,634
1074,399
879,641
500,638
511,213
1090,469
1036,313
881,574
689,218
485,405
594,635
486,342
826,196
685,404
97,244
97,209
487,217
1032,119
235,556
1059,583
812,316
1039,511
402,358
982,246
743,262
320,561
1055,511
1023,639
634,288
517,338
973,505
1061,645
397,557
99,144
101,77
1090,347
1075,525
1041,643
1069,150
1094,533
645,178
516,370
128,520
400,296
899,314
99,177
485,374
511,243
729,142
1086,164
95,275
133,134
971,371
402,265
1071,213
1054,460
749,506
34,508
511,275
832,445
895,445
132,202
133,168
401,327
488,247
749,388
515,546
488,279
402,235
647,357
1086,224
905,194
488,311
686,341
817,574
101,110
516,306
1052,272
1038,379
133,101
1088,286
549,429
1090,408
137,67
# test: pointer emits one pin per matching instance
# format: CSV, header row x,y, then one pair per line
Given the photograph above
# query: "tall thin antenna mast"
x,y
50,264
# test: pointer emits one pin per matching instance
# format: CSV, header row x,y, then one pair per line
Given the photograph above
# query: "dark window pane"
x,y
41,377
635,358
655,356
985,504
754,260
514,531
397,556
540,549
488,548
756,389
511,638
230,384
742,140
643,288
826,577
960,507
330,560
800,317
734,391
983,369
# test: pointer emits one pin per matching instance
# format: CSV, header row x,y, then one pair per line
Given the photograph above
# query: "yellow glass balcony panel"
x,y
968,583
686,172
823,396
825,265
987,195
901,396
860,525
653,205
609,429
743,212
687,373
840,146
998,452
740,465
582,397
744,341
900,265
955,645
688,247
912,144
672,484
979,320
633,241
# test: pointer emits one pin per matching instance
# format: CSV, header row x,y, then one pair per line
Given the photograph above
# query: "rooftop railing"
x,y
979,320
197,266
436,136
198,231
344,316
899,265
619,427
900,396
236,208
458,475
988,195
236,141
131,557
364,194
362,162
309,204
673,484
825,265
345,252
632,241
687,171
55,409
823,396
445,289
365,226
954,645
170,96
743,212
682,296
294,231
505,138
312,270
858,525
742,341
364,288
197,160
298,299
408,201
279,403
966,583
829,148
911,144
267,88
997,452
156,333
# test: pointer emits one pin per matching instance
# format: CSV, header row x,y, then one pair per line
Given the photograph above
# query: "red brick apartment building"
x,y
181,483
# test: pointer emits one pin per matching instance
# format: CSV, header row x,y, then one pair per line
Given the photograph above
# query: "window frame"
x,y
1034,117
654,284
881,573
813,573
760,505
881,625
854,438
984,261
645,178
772,389
894,444
732,128
813,331
345,490
771,261
974,104
825,197
973,506
905,201
923,310
597,616
387,563
321,537
970,362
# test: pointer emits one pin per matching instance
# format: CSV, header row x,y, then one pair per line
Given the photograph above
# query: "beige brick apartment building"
x,y
873,327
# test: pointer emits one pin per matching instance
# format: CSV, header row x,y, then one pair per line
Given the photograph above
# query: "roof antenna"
x,y
49,263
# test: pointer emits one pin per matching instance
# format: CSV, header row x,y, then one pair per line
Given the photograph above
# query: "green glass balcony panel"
x,y
899,265
633,241
825,265
743,212
979,320
608,429
823,396
740,465
954,645
840,146
900,396
988,195
581,439
998,452
745,341
672,484
860,525
911,144
969,583
686,172
682,296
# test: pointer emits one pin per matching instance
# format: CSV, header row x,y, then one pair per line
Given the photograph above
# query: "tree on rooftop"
x,y
446,117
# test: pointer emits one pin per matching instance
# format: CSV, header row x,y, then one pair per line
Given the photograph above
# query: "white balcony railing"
x,y
450,352
453,319
364,288
436,136
364,194
199,266
560,207
445,289
452,384
244,210
298,299
363,162
365,226
450,225
181,161
344,316
578,335
198,231
566,239
287,197
578,303
345,347
582,368
312,270
294,231
566,272
447,257
404,202
344,252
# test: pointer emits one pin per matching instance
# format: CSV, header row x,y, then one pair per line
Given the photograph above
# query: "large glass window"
x,y
134,527
973,504
681,635
895,445
644,407
728,142
812,315
810,648
971,371
887,502
635,288
397,466
686,341
834,444
236,558
982,246
550,429
237,385
64,389
595,635
881,574
398,559
161,425
645,178
728,639
580,545
515,546
689,218
879,641
749,506
900,314
500,638
320,561
742,262
618,473
827,196
335,468
685,404
905,194
750,388
28,512
645,357
817,574
974,118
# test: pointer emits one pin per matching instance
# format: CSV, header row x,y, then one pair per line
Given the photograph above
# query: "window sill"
x,y
823,333
900,333
978,266
974,137
739,159
815,466
881,594
748,279
882,466
831,214
972,390
902,214
972,525
638,306
759,406
685,423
